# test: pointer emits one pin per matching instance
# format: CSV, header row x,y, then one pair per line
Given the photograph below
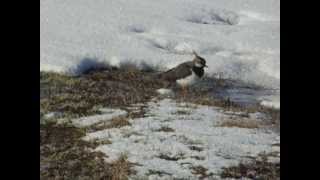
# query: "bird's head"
x,y
199,61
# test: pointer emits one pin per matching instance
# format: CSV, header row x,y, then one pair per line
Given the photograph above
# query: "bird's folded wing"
x,y
179,72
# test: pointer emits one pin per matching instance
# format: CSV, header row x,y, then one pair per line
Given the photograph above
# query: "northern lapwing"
x,y
187,73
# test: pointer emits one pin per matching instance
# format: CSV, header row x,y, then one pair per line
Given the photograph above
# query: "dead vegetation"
x,y
274,115
201,172
121,168
259,168
240,123
196,148
63,155
83,95
108,88
165,129
171,158
159,173
116,122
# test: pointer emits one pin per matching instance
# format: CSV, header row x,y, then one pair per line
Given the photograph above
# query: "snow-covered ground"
x,y
175,137
238,38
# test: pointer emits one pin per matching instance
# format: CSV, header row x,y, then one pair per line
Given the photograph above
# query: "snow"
x,y
164,91
239,38
196,140
107,115
271,104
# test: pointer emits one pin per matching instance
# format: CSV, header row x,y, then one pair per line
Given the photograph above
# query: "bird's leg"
x,y
184,92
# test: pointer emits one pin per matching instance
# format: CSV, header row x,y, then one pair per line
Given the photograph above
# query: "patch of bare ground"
x,y
116,122
159,173
274,115
83,95
171,158
206,95
196,148
165,129
259,168
240,123
64,155
201,172
121,168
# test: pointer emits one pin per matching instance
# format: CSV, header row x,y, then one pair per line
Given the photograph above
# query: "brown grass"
x,y
116,122
274,115
159,173
240,123
201,171
206,97
81,95
64,155
121,168
259,168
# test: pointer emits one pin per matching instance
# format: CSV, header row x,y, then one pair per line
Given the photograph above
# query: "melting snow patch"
x,y
194,139
271,104
107,115
164,91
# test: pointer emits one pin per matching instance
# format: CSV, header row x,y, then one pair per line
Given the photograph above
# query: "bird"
x,y
187,73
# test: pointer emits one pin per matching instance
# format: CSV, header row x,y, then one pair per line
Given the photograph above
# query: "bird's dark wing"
x,y
179,72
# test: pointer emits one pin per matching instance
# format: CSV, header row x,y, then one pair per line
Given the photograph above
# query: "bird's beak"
x,y
206,66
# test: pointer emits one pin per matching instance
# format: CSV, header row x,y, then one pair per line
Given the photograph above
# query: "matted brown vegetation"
x,y
116,122
240,123
108,88
201,172
259,168
64,155
165,129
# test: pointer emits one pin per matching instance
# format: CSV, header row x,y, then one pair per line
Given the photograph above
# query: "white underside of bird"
x,y
189,80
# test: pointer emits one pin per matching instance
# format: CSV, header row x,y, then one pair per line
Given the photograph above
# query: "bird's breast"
x,y
189,80
198,71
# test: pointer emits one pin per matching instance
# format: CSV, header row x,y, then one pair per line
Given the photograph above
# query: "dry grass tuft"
x,y
165,129
121,168
259,168
118,122
201,171
240,123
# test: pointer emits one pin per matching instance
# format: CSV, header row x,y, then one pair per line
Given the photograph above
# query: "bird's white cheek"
x,y
198,65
